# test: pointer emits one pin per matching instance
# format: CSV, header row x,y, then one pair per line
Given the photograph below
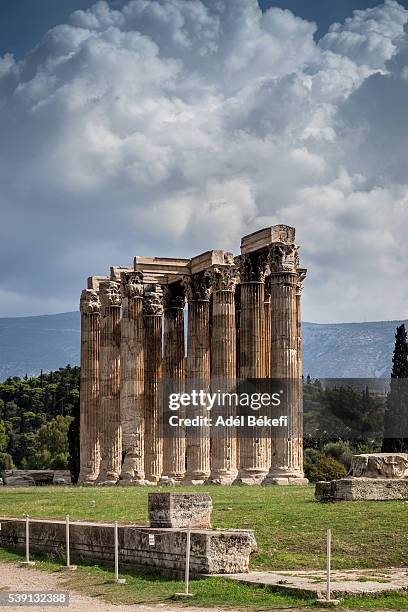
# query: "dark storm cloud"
x,y
172,127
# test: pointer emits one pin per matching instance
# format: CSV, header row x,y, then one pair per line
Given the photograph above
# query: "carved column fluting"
x,y
253,443
223,372
285,363
132,378
267,323
198,374
153,315
111,432
302,272
90,308
174,440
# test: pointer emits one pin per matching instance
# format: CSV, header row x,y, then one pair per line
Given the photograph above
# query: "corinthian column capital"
x,y
153,301
223,278
174,296
109,292
198,287
131,285
283,258
89,302
252,266
302,272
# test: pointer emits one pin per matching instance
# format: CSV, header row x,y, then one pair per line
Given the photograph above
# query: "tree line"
x,y
39,420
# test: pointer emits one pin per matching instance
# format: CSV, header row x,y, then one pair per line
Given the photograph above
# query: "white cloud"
x,y
175,126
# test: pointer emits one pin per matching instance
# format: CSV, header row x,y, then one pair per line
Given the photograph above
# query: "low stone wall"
x,y
31,478
212,551
360,489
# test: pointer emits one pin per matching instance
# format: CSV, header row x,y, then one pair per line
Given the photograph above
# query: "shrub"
x,y
6,462
340,451
324,468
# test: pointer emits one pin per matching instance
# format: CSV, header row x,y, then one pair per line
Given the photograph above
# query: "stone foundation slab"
x,y
212,551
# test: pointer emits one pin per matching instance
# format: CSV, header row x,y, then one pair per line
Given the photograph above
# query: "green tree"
x,y
395,438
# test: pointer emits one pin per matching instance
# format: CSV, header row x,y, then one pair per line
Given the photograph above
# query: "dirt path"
x,y
16,578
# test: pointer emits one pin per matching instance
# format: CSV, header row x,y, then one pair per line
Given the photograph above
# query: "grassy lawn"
x,y
289,525
289,528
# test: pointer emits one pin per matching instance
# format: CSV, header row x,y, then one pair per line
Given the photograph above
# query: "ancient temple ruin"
x,y
243,322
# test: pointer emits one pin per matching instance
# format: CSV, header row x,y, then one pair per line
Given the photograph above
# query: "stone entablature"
x,y
373,476
380,465
243,322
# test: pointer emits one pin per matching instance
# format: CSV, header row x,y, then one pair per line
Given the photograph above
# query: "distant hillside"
x,y
29,344
344,350
349,350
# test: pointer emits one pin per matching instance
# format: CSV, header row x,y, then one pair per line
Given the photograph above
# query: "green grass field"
x,y
289,528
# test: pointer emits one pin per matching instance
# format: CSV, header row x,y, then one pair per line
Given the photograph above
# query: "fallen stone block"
x,y
361,489
172,510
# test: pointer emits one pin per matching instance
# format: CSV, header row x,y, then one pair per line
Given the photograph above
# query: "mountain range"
x,y
330,350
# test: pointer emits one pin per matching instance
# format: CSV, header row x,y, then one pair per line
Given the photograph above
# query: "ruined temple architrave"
x,y
243,322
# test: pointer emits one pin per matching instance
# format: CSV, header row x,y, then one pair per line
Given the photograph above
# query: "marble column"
x,y
253,460
132,378
111,432
90,308
153,315
267,323
198,374
174,440
286,466
223,372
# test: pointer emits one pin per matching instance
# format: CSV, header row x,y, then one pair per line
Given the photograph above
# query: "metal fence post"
x,y
27,543
68,565
187,568
117,580
328,565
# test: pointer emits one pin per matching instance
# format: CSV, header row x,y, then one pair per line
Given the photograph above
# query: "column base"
x,y
285,479
251,477
222,477
107,483
195,480
132,483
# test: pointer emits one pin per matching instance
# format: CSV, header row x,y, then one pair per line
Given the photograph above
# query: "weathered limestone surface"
x,y
132,378
380,465
26,478
198,293
287,447
223,371
174,439
90,308
236,333
212,552
153,312
111,433
355,489
171,510
253,447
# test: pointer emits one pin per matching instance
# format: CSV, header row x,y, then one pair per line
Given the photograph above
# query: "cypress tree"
x,y
395,438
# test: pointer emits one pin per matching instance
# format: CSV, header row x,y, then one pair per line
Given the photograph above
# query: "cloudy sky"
x,y
169,127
